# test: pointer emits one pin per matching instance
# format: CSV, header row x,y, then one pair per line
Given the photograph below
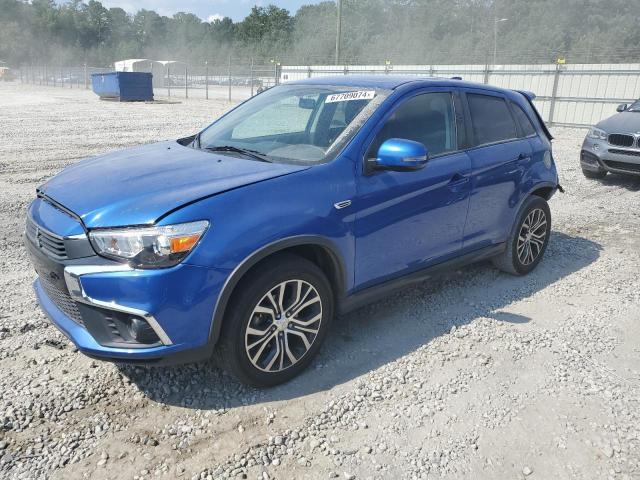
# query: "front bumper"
x,y
176,303
598,156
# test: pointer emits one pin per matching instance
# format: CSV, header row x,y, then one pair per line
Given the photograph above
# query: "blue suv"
x,y
308,200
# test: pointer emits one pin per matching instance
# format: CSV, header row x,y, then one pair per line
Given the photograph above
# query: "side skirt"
x,y
376,292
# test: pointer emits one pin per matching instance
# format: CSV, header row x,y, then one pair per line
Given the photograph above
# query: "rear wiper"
x,y
230,148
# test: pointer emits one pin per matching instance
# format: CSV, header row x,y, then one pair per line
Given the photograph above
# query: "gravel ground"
x,y
475,375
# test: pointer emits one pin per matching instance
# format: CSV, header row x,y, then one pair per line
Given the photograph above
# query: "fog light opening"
x,y
141,331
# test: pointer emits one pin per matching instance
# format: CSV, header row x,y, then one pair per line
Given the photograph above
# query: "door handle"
x,y
458,180
523,156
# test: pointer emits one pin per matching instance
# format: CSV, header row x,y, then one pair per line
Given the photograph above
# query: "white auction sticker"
x,y
348,96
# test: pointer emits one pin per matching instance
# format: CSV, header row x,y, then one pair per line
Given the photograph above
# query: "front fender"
x,y
252,222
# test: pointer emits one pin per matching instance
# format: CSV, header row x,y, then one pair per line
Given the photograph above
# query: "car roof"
x,y
390,81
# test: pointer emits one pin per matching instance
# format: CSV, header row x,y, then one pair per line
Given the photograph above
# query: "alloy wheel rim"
x,y
283,326
532,236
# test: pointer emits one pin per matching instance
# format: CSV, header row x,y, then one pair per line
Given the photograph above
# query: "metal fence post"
x,y
309,71
168,80
554,94
54,76
206,80
251,75
61,77
486,74
86,77
186,82
229,76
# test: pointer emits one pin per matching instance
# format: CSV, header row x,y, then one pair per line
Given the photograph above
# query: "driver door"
x,y
408,220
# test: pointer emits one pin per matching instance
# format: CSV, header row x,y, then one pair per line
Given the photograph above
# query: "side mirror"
x,y
307,103
622,107
400,155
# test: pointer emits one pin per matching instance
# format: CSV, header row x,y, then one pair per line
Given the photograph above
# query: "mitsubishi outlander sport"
x,y
311,199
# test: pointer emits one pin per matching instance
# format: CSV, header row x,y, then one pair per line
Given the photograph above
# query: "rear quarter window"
x,y
526,127
491,119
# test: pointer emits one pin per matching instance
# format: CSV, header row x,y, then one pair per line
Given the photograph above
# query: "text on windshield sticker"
x,y
348,96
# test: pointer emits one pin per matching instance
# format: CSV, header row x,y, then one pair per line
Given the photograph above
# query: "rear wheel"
x,y
276,321
594,175
529,238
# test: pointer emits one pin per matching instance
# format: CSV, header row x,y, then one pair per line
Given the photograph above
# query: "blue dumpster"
x,y
123,86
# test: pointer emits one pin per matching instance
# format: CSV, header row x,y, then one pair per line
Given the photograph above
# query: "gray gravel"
x,y
474,375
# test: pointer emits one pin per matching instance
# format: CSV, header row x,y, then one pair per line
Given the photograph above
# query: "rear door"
x,y
499,158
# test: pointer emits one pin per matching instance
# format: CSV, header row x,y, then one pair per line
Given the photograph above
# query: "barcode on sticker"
x,y
348,96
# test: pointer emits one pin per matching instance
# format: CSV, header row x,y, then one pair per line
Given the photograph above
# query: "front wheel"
x,y
529,238
276,322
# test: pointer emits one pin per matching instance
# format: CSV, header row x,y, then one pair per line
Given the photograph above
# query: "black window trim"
x,y
469,124
460,125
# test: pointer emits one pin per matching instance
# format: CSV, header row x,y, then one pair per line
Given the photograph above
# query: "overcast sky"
x,y
205,9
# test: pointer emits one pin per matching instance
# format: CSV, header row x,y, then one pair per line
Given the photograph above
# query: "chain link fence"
x,y
231,82
575,95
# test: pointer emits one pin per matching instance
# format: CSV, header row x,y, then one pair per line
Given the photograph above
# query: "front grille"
x,y
62,300
621,140
52,244
629,167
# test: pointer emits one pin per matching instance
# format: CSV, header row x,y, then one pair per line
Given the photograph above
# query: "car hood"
x,y
624,122
138,185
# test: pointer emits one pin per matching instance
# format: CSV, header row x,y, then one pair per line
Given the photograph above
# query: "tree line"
x,y
374,31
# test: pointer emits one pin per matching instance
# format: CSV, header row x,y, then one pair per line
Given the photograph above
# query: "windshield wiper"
x,y
243,151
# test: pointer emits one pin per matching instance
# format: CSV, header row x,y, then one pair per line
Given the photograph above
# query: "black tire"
x,y
234,350
599,175
515,259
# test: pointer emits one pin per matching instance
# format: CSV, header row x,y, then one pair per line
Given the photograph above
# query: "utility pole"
x,y
338,29
496,21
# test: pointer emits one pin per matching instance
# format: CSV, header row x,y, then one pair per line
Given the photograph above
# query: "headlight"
x,y
597,133
149,247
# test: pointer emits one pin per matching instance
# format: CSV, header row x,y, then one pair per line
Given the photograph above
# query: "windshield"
x,y
302,124
635,107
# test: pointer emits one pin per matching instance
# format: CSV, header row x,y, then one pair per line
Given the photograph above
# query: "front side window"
x,y
302,124
491,120
427,118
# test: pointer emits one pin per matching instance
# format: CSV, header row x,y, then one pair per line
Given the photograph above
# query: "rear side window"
x,y
526,126
491,120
